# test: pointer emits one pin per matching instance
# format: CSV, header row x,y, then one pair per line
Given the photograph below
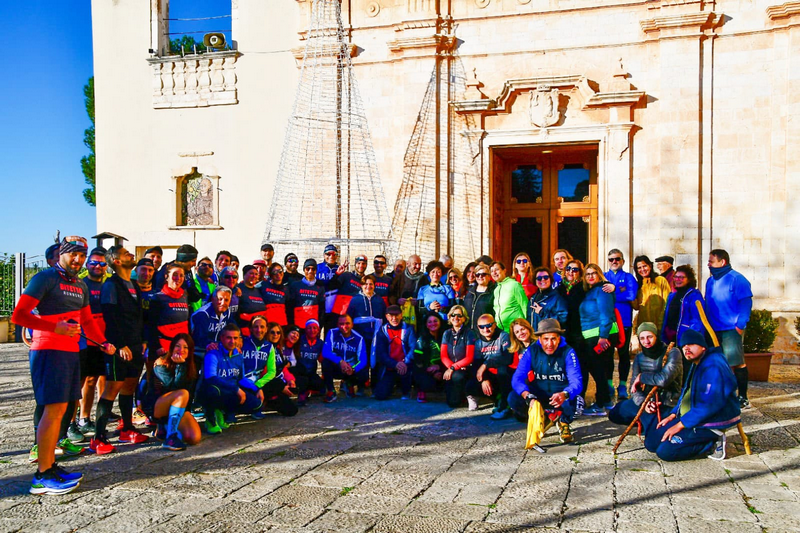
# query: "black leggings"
x,y
599,363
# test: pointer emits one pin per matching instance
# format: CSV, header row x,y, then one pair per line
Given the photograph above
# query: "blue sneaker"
x,y
609,406
622,392
594,410
258,415
67,476
50,482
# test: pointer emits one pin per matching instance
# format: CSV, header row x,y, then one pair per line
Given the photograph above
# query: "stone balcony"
x,y
200,80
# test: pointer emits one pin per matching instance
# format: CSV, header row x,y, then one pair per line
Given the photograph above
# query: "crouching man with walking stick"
x,y
655,367
708,405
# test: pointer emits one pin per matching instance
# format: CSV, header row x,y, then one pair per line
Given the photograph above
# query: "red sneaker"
x,y
330,397
132,436
101,446
421,397
120,424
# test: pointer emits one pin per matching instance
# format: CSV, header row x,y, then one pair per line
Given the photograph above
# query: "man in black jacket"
x,y
122,312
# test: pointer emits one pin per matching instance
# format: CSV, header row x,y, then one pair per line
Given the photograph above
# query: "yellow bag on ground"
x,y
409,313
536,420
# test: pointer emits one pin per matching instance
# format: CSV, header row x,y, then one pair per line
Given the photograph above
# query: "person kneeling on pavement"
x,y
493,377
225,390
549,373
651,369
394,351
344,356
706,408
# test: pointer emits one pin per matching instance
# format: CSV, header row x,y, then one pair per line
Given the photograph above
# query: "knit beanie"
x,y
691,336
647,326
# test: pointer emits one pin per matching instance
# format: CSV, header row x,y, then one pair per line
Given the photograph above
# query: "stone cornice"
x,y
785,10
629,98
330,50
438,41
701,21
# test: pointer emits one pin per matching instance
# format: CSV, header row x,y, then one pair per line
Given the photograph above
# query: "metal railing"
x,y
15,273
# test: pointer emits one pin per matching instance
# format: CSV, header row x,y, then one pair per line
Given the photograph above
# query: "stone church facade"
x,y
653,126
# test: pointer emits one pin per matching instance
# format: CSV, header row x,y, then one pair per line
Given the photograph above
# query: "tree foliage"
x,y
188,43
88,161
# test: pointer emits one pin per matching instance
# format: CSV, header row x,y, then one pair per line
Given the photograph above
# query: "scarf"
x,y
64,274
172,294
656,351
718,272
413,277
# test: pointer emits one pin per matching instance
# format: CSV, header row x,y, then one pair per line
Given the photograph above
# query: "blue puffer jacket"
x,y
713,402
551,373
597,314
553,306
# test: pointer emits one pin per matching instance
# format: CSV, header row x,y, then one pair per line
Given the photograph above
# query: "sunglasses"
x,y
275,332
485,326
521,261
481,275
456,315
679,277
292,261
306,269
572,269
205,265
274,272
96,263
361,260
590,274
230,277
379,262
614,259
542,278
330,253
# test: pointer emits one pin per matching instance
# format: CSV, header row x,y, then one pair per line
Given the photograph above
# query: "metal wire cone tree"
x,y
460,187
328,188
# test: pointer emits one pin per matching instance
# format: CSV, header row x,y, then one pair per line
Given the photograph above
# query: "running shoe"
x,y
302,398
622,392
609,406
68,448
565,433
212,427
174,443
330,397
421,397
33,456
120,425
87,428
50,482
74,433
230,418
538,448
472,403
160,433
405,396
101,446
258,415
720,447
350,391
500,415
139,417
132,436
744,403
221,419
594,410
69,476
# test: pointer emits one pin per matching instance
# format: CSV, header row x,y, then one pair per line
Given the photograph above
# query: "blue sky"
x,y
43,115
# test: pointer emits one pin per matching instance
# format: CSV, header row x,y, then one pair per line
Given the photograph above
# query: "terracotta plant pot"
x,y
758,365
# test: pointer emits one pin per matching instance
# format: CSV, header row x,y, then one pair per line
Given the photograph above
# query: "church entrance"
x,y
544,198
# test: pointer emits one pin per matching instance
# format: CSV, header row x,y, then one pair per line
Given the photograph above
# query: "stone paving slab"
x,y
399,466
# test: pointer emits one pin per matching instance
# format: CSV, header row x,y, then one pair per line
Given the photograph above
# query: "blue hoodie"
x,y
551,373
625,293
352,349
714,404
597,314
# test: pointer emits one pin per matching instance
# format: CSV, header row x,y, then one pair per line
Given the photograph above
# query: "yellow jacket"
x,y
652,301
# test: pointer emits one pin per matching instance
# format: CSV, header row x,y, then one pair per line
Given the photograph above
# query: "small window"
x,y
526,185
197,201
573,183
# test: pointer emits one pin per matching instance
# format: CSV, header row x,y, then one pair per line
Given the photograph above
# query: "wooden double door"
x,y
544,198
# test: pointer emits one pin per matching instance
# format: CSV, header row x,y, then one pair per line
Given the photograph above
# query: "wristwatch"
x,y
566,394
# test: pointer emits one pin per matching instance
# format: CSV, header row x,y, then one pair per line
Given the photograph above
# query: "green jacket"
x,y
510,303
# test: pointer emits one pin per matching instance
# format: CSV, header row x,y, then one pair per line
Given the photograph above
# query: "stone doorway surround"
x,y
568,109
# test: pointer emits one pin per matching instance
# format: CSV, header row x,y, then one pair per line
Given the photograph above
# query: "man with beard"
x,y
383,281
407,284
62,301
290,263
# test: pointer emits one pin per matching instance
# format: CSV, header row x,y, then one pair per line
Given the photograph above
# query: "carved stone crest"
x,y
544,106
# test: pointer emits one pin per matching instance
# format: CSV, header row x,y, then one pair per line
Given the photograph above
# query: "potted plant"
x,y
758,338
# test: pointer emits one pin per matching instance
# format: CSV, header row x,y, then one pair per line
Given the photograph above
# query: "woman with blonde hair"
x,y
523,273
522,336
457,354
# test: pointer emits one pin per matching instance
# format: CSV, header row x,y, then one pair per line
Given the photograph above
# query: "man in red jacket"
x,y
62,301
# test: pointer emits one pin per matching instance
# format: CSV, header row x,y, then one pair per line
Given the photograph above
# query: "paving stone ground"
x,y
399,466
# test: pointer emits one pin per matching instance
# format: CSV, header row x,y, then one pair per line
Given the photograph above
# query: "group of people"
x,y
187,340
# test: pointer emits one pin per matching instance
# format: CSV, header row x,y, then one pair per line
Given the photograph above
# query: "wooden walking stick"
x,y
644,403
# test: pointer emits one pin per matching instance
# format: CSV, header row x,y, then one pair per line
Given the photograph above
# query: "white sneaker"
x,y
720,448
472,403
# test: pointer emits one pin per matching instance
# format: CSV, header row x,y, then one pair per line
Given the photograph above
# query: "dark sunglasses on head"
x,y
521,261
614,259
485,326
572,269
96,263
542,278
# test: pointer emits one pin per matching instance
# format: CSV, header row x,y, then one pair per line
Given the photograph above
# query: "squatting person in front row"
x,y
225,390
549,373
344,356
394,352
707,407
650,370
